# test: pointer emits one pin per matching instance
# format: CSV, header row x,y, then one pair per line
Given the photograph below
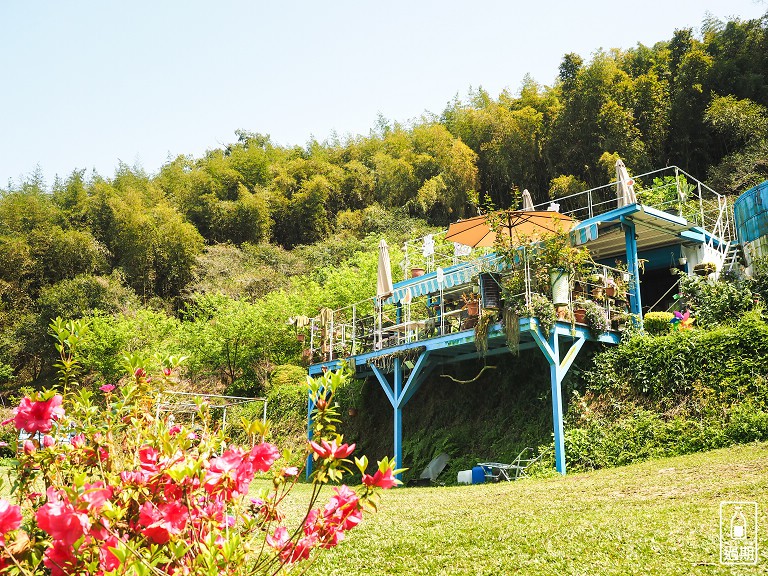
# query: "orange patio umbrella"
x,y
482,230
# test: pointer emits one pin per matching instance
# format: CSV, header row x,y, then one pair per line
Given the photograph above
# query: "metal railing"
x,y
372,325
433,251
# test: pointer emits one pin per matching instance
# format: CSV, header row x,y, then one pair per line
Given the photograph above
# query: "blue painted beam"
x,y
413,378
382,378
630,242
398,416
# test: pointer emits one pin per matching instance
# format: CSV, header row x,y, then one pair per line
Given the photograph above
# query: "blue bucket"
x,y
478,475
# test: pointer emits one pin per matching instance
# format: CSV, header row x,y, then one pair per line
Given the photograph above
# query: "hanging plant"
x,y
542,309
597,320
482,328
510,321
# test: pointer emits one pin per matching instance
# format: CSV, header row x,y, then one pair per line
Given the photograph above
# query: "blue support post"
x,y
630,242
557,417
398,416
310,407
399,394
557,371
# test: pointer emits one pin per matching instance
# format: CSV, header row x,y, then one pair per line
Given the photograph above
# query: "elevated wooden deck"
x,y
425,323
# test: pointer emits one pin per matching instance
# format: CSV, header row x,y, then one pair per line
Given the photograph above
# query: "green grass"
x,y
657,517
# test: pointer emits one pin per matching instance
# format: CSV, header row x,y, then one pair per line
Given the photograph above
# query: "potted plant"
x,y
542,309
597,320
580,312
417,271
705,268
611,289
471,303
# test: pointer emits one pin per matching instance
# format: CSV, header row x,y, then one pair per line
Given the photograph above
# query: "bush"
x,y
722,301
131,494
658,323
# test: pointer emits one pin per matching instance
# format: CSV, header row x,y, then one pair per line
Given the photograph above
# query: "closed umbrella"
x,y
517,224
625,186
527,201
384,279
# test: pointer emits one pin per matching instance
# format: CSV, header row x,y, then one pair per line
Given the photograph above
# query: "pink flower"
x,y
231,472
331,449
60,559
78,441
175,429
60,519
107,559
107,388
290,471
29,447
95,496
148,457
381,479
263,455
279,539
163,521
48,441
140,373
10,518
300,551
38,416
167,371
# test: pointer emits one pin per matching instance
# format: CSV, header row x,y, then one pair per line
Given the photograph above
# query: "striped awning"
x,y
581,236
423,285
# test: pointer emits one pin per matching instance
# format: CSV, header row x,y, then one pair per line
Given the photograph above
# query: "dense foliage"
x,y
128,490
223,222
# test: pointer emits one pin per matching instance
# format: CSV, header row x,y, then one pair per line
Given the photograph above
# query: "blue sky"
x,y
89,83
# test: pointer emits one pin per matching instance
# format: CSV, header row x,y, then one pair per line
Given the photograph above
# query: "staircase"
x,y
733,258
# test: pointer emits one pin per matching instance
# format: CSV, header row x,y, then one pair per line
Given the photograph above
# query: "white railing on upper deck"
x,y
370,325
669,189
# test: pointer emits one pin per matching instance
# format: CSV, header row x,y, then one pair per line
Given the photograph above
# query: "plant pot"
x,y
610,291
682,261
301,337
560,282
472,308
416,272
580,315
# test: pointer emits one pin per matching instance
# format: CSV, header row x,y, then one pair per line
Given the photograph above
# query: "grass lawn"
x,y
659,517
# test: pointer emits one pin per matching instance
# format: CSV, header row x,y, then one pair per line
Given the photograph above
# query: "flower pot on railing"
x,y
580,315
301,337
472,307
416,272
561,311
560,283
610,291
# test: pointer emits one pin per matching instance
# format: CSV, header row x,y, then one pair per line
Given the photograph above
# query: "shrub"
x,y
658,323
128,493
715,302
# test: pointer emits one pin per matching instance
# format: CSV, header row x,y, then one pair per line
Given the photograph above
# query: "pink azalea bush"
x,y
113,489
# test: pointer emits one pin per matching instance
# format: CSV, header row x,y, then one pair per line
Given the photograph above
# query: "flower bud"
x,y
48,441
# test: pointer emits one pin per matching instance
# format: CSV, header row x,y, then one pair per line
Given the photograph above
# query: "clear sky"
x,y
87,83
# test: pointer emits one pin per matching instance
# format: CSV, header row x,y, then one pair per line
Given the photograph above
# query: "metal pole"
x,y
398,415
